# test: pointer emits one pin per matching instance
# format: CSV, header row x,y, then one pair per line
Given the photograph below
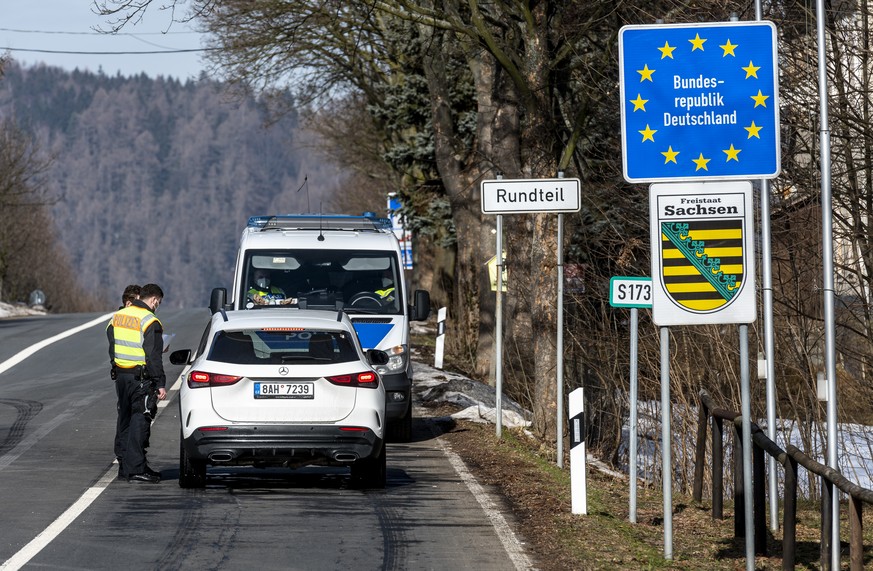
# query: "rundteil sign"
x,y
521,196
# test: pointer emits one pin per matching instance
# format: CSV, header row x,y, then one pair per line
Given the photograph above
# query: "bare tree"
x,y
21,192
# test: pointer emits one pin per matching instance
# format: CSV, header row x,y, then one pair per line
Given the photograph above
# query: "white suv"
x,y
281,387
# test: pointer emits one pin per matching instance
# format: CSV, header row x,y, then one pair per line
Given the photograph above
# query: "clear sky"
x,y
68,26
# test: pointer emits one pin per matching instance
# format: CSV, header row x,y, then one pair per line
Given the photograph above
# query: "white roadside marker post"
x,y
578,487
440,339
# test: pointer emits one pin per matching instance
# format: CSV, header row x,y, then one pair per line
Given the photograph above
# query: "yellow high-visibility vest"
x,y
385,293
128,328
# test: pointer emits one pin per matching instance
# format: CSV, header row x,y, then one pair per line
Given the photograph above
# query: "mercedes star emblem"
x,y
283,370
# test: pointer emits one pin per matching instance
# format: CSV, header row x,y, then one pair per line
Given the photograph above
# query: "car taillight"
x,y
364,380
198,379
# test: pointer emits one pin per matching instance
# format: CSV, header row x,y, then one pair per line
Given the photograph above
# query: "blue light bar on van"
x,y
319,221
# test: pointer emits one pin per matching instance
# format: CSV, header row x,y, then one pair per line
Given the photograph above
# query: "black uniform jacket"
x,y
153,345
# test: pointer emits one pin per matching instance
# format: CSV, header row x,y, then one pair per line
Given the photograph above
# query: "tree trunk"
x,y
544,323
472,309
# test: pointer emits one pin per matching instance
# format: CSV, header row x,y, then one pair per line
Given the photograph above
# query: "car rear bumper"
x,y
281,445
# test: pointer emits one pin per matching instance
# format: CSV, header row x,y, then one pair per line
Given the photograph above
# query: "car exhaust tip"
x,y
220,457
345,457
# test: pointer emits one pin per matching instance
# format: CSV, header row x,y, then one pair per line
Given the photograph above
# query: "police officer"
x,y
135,351
130,293
262,293
386,291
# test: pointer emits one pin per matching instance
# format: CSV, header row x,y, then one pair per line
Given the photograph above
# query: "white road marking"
x,y
38,543
29,551
25,353
510,542
34,437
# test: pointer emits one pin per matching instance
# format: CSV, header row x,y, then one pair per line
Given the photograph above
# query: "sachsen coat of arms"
x,y
702,254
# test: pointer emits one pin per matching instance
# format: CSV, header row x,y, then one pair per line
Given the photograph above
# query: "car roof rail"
x,y
367,221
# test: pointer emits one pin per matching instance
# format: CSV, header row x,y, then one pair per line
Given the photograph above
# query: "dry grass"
x,y
523,472
538,493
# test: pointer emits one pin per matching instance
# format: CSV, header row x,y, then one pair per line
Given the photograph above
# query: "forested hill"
x,y
154,179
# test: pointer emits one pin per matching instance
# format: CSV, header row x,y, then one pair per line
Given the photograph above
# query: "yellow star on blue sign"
x,y
699,91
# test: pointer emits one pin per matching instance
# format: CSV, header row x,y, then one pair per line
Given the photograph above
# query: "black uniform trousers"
x,y
133,428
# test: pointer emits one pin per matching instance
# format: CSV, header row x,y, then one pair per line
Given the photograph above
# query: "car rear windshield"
x,y
267,347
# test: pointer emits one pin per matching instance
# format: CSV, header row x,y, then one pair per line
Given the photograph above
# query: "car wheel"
x,y
401,430
371,473
192,473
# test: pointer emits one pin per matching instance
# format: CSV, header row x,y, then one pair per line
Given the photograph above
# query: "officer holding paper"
x,y
135,351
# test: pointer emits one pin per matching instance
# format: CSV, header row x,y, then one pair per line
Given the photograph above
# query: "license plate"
x,y
284,390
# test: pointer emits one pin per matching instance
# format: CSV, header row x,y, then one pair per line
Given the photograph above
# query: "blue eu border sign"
x,y
699,101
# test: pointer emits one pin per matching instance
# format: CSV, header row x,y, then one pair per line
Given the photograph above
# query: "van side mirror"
x,y
217,300
421,305
377,357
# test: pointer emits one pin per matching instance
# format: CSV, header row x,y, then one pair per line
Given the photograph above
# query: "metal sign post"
x,y
828,277
703,272
666,444
746,411
523,196
633,428
559,424
498,341
632,292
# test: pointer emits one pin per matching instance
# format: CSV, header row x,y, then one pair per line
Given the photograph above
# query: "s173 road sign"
x,y
630,292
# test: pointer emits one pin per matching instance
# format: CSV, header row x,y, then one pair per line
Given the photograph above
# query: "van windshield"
x,y
358,281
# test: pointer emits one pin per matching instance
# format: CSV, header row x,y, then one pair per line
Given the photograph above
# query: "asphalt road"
x,y
62,508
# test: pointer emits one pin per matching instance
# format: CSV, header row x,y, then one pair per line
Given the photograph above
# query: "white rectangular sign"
x,y
627,291
703,253
521,196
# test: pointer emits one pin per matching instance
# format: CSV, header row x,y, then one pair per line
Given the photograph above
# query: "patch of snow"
x,y
435,385
19,309
478,399
855,445
421,328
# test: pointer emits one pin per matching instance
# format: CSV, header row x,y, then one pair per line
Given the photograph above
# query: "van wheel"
x,y
401,430
371,473
192,473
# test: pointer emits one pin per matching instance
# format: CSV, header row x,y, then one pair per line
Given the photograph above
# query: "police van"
x,y
338,262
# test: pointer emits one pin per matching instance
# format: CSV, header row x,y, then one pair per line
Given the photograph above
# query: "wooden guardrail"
x,y
858,496
761,444
789,458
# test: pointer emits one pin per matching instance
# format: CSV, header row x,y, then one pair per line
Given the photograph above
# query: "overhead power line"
x,y
18,31
163,50
104,53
